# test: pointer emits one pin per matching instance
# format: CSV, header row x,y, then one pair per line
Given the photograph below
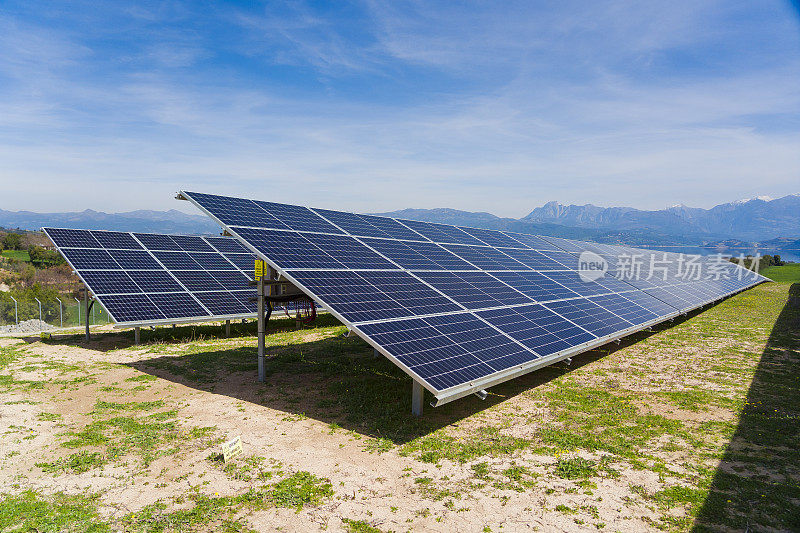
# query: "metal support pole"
x,y
86,307
61,312
417,395
137,335
40,312
262,371
16,310
79,309
227,328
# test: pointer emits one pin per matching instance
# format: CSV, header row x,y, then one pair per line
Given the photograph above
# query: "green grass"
x,y
30,511
784,274
17,255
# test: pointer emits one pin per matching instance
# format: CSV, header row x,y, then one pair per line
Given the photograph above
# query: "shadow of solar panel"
x,y
537,328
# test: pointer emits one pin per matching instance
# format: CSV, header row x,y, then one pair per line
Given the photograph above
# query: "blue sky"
x,y
375,106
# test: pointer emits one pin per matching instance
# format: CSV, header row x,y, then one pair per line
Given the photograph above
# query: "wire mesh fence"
x,y
31,314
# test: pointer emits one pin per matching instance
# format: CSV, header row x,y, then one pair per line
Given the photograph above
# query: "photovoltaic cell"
x,y
125,274
116,239
453,305
538,328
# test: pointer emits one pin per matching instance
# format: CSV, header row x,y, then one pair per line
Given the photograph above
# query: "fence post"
x,y
79,309
16,310
40,313
61,312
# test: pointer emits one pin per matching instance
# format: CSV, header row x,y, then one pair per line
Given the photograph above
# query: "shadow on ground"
x,y
338,381
757,484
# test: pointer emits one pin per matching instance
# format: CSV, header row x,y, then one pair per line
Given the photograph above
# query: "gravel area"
x,y
28,326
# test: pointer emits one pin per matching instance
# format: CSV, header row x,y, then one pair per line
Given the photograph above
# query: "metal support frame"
x,y
482,394
227,328
137,335
16,310
417,396
262,370
88,308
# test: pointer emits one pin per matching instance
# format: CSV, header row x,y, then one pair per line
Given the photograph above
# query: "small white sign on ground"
x,y
232,448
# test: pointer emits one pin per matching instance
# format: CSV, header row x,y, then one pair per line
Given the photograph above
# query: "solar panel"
x,y
460,309
147,278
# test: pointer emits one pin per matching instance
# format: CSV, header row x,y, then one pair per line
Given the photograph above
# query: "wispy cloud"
x,y
388,105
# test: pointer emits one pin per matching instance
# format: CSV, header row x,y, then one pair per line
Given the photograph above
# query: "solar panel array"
x,y
155,278
461,308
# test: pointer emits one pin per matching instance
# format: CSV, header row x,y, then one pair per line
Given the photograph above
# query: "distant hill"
x,y
752,220
171,221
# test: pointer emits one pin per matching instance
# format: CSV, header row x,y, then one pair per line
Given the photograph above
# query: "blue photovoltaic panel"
x,y
348,251
538,328
145,277
117,240
418,255
298,218
536,285
461,307
134,260
589,316
494,238
177,260
178,305
226,245
89,259
154,281
110,282
486,258
132,308
154,241
190,243
474,290
441,232
196,280
73,238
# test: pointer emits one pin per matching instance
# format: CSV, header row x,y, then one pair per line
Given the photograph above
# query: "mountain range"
x,y
773,223
171,221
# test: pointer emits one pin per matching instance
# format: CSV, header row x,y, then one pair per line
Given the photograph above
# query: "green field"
x,y
19,255
786,274
690,427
